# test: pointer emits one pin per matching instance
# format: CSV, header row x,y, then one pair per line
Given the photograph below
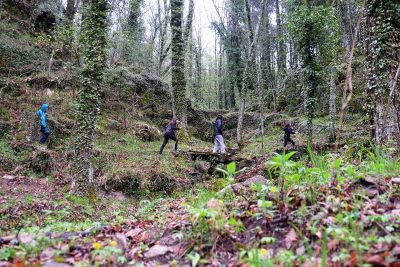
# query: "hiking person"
x,y
288,131
219,145
169,133
44,129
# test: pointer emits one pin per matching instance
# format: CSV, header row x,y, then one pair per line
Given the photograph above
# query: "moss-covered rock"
x,y
6,164
127,181
146,132
40,162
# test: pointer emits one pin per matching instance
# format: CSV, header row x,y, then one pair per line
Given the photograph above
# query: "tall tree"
x,y
94,40
383,21
70,10
305,27
250,79
267,75
178,62
132,50
281,51
189,22
163,21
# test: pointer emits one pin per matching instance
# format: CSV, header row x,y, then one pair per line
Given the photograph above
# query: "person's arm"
x,y
44,122
174,127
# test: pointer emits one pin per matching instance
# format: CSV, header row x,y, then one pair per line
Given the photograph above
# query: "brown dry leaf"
x,y
353,259
142,237
375,260
290,238
332,244
19,263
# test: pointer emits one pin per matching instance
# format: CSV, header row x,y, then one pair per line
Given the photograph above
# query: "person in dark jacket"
x,y
169,133
44,129
288,131
219,145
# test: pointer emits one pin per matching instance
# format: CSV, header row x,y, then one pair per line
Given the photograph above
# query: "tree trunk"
x,y
383,57
94,41
332,106
250,69
189,22
70,10
281,53
178,63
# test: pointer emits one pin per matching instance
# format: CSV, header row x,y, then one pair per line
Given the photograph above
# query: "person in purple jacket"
x,y
169,133
288,131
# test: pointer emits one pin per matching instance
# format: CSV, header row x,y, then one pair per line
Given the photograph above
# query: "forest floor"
x,y
235,219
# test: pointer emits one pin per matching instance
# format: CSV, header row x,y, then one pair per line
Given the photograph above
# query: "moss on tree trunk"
x,y
178,62
93,39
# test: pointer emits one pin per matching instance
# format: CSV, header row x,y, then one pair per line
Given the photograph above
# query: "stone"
x,y
114,125
134,232
396,180
9,177
121,240
157,250
55,264
26,238
47,254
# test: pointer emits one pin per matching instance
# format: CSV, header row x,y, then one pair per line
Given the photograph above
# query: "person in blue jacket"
x,y
44,129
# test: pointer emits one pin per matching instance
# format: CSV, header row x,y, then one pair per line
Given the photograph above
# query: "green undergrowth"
x,y
301,186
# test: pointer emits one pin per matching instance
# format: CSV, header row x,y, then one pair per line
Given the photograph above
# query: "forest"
x,y
200,133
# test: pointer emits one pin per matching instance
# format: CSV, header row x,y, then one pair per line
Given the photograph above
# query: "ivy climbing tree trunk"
x,y
310,76
94,39
281,53
178,63
383,57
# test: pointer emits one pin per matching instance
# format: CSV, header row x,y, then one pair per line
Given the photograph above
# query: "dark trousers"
x,y
287,140
168,136
45,134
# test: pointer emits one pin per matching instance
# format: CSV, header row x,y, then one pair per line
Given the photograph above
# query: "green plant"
x,y
194,257
324,247
236,224
211,219
7,253
284,165
378,162
230,171
256,257
102,255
